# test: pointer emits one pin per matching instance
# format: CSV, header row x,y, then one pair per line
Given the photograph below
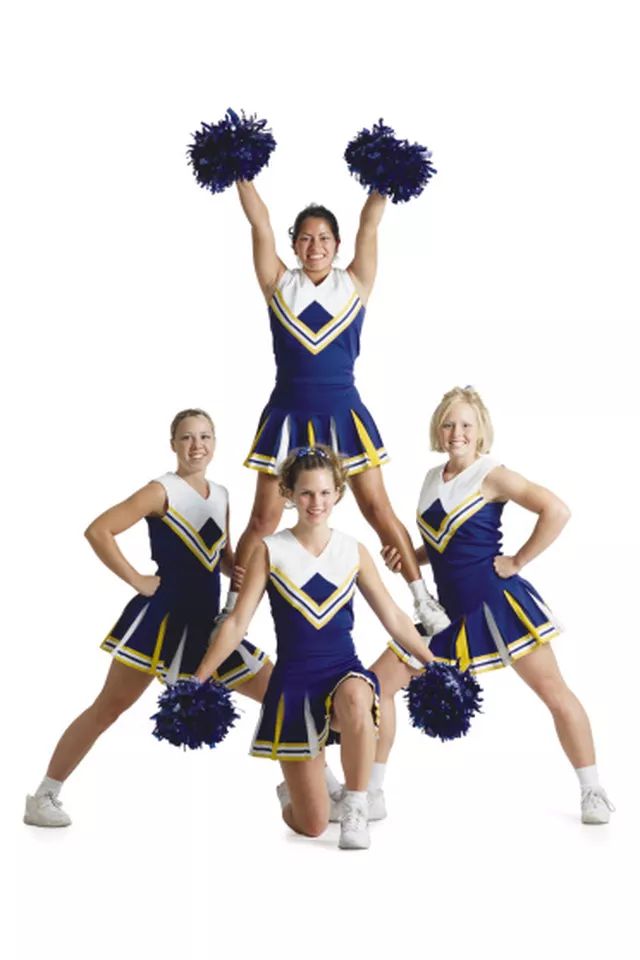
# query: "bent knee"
x,y
353,700
312,824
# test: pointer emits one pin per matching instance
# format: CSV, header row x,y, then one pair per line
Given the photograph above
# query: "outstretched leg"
x,y
265,517
122,688
372,499
540,671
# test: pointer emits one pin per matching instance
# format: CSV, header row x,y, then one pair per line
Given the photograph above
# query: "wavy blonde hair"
x,y
462,395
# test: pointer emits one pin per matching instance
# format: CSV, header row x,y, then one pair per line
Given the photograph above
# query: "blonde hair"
x,y
318,457
191,412
462,395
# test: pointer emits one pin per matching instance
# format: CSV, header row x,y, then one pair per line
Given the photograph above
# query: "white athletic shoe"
x,y
377,805
335,806
45,811
431,615
354,829
596,806
283,794
376,808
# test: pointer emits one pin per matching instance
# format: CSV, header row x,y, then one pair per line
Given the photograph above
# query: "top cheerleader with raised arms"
x,y
316,313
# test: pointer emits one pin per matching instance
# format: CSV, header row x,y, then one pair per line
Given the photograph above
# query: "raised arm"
x,y
228,636
101,534
393,619
553,514
362,268
268,265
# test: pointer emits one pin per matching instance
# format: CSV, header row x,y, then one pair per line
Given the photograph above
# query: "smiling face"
x,y
315,246
458,433
193,444
314,496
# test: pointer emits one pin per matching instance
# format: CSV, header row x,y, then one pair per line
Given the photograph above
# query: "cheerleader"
x,y
310,572
498,618
164,630
316,313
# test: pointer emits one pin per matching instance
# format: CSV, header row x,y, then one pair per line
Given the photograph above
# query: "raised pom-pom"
x,y
442,701
395,168
236,148
193,714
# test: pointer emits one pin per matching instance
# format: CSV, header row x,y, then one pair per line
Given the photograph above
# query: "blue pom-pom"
x,y
193,714
395,168
442,701
236,148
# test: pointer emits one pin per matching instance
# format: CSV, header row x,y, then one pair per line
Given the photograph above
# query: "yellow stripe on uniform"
x,y
278,729
159,642
311,434
462,648
366,441
523,618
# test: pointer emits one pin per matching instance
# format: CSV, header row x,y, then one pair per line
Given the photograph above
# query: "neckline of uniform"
x,y
316,556
199,495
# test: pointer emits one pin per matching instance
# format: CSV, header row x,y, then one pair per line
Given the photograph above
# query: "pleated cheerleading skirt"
x,y
512,622
296,714
337,419
155,637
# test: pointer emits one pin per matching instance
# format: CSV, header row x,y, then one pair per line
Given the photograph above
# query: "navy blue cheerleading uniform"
x,y
495,620
312,607
167,634
316,341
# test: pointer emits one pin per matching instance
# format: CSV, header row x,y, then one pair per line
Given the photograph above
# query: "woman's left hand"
x,y
505,566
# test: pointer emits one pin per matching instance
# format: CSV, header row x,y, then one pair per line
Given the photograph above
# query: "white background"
x,y
131,295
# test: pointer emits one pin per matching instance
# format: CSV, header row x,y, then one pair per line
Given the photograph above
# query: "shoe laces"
x,y
592,796
430,603
54,800
354,817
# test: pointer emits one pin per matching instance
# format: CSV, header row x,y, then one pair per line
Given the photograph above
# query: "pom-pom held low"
x,y
193,714
442,701
235,148
383,163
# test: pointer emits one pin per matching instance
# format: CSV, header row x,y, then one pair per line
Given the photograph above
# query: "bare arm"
x,y
362,268
228,564
230,634
101,534
553,514
393,619
268,265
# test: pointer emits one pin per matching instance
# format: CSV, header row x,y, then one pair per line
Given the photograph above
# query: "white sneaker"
x,y
376,808
283,794
335,806
45,811
377,805
354,829
596,806
431,615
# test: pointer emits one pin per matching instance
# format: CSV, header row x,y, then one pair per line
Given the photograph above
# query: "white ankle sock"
x,y
49,785
588,777
377,777
332,782
230,602
360,796
418,589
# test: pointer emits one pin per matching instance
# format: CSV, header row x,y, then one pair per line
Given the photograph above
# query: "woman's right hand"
x,y
392,558
146,586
